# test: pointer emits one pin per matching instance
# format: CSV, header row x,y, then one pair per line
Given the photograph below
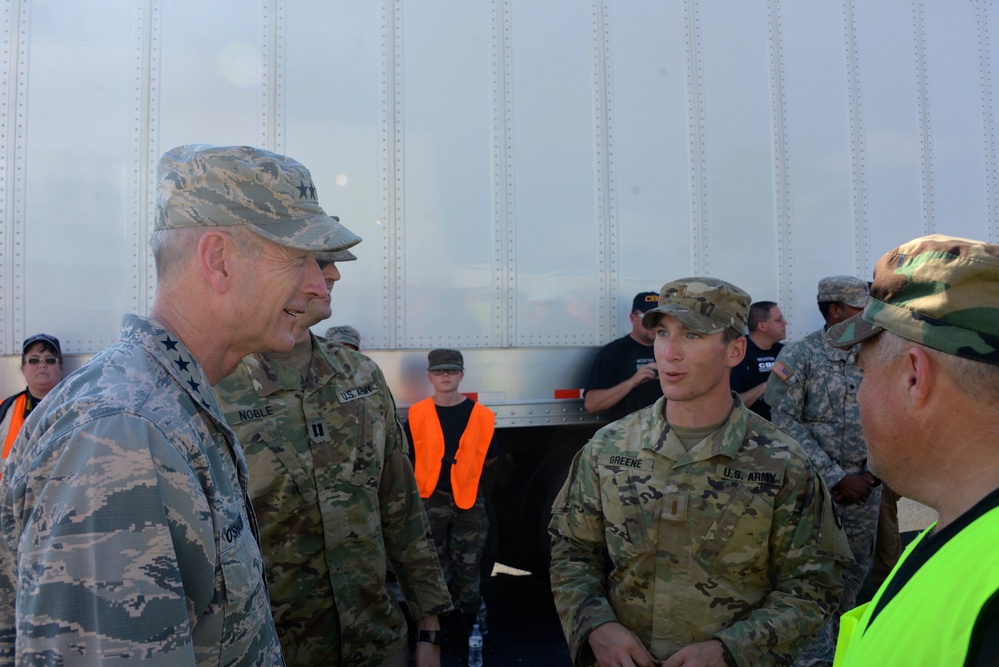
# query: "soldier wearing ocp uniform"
x,y
332,485
328,460
721,536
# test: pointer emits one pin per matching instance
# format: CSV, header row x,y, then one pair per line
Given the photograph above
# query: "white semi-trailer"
x,y
518,169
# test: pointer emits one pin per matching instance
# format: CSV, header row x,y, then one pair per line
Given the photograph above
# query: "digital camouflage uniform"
x,y
127,533
817,405
735,540
337,502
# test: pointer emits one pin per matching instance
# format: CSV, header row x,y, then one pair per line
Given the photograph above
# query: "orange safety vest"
x,y
16,422
428,446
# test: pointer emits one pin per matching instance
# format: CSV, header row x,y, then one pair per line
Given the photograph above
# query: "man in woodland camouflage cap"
x,y
723,546
333,488
126,529
929,403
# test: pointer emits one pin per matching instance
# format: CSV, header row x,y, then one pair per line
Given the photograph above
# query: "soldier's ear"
x,y
215,257
736,351
919,375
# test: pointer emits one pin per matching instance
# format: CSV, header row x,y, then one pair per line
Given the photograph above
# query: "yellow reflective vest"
x,y
931,618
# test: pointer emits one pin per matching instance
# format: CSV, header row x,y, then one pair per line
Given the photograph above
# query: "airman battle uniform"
x,y
127,532
734,540
337,501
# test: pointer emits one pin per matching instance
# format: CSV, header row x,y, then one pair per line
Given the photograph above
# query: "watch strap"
x,y
429,636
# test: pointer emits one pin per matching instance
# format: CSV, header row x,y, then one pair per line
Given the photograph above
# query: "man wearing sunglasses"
x,y
452,438
41,365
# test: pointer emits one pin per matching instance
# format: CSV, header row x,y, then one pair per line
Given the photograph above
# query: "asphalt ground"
x,y
523,626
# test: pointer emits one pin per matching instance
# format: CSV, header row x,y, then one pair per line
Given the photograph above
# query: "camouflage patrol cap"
x,y
843,289
336,256
705,305
445,359
221,186
940,291
345,335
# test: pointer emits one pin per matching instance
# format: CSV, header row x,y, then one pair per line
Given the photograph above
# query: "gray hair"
x,y
173,248
978,379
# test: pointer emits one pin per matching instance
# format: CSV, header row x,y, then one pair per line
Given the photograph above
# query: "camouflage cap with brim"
x,y
702,304
345,335
336,256
939,291
200,185
843,289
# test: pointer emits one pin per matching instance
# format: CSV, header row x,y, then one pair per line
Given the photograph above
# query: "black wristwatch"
x,y
727,656
429,636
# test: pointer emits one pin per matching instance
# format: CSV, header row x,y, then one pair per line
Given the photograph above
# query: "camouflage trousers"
x,y
860,523
460,536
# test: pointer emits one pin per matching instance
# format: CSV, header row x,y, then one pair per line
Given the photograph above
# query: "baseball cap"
x,y
940,291
50,341
445,359
705,305
201,185
345,335
644,301
843,289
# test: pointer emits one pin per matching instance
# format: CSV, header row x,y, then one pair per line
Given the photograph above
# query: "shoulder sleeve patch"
x,y
782,371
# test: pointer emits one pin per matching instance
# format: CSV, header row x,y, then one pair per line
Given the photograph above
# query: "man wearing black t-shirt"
x,y
929,352
624,377
767,327
452,438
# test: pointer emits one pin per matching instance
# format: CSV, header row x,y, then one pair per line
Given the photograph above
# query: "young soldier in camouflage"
x,y
126,532
336,499
929,403
723,546
812,392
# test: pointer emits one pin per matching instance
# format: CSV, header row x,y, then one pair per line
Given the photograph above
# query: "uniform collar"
x,y
167,349
271,376
726,441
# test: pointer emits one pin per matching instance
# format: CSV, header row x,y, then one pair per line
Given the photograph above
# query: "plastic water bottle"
x,y
482,618
475,647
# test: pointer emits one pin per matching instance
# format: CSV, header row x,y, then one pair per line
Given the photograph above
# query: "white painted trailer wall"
x,y
518,169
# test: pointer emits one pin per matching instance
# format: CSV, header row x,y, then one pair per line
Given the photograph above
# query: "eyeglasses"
x,y
445,371
49,361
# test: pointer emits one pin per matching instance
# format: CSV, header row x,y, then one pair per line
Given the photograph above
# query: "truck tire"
x,y
544,488
490,550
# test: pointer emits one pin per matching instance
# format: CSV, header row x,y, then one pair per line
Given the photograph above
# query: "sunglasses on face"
x,y
49,361
444,371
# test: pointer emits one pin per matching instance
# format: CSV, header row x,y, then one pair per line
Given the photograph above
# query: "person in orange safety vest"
x,y
41,365
452,438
